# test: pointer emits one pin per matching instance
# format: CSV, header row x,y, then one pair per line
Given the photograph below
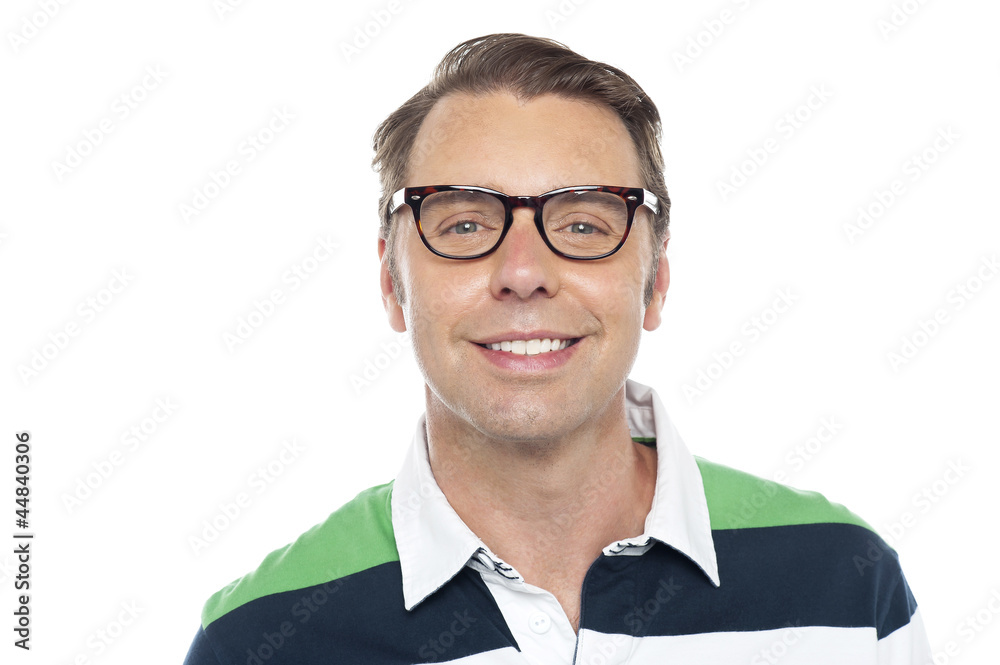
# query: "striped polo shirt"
x,y
730,569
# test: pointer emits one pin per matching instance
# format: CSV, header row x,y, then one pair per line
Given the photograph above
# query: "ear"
x,y
651,321
392,307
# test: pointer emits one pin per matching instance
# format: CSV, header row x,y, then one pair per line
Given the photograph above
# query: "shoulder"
x,y
769,536
356,537
739,500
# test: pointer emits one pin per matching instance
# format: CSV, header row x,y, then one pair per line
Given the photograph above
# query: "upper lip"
x,y
515,336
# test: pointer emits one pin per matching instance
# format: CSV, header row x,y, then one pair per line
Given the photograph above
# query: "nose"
x,y
524,267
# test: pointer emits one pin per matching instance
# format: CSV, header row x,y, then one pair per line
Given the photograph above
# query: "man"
x,y
548,512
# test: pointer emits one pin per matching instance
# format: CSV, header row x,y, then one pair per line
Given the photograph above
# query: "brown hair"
x,y
525,67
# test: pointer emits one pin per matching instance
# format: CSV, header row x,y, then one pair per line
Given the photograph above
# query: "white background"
x,y
191,282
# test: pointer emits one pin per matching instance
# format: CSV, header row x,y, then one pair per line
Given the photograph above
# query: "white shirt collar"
x,y
434,544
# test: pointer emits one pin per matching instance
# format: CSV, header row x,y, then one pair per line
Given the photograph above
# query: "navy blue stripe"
x,y
200,652
361,619
772,577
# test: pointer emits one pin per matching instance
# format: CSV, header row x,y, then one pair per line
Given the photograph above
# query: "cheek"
x,y
440,297
614,299
623,290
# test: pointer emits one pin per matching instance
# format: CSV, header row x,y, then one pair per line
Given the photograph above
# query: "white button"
x,y
539,622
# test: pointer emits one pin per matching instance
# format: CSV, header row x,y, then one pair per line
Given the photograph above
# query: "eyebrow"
x,y
599,198
459,195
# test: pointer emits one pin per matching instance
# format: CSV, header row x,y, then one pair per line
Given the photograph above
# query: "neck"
x,y
537,502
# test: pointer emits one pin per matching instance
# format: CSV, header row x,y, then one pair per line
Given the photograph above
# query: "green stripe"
x,y
738,500
356,537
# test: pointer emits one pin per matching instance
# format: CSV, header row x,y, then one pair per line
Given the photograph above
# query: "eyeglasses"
x,y
464,222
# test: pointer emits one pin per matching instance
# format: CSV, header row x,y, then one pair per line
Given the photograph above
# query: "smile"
x,y
531,347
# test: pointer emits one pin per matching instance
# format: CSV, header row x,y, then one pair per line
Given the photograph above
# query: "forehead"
x,y
522,146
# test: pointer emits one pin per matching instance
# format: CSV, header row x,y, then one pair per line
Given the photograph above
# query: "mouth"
x,y
531,347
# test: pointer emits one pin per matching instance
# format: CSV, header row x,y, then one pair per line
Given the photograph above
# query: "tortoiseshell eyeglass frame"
x,y
632,196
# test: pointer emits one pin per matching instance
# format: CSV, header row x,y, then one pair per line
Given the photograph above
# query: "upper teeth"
x,y
530,347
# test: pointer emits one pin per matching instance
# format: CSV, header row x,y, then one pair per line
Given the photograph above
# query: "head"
x,y
525,67
523,116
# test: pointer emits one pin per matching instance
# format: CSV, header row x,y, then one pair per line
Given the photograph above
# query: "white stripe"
x,y
907,644
808,645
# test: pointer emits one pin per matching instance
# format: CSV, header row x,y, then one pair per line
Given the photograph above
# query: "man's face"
x,y
455,309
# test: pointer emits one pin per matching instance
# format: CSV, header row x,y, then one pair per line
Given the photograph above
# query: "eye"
x,y
580,227
464,227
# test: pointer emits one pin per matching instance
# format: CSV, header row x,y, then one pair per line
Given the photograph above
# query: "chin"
x,y
523,419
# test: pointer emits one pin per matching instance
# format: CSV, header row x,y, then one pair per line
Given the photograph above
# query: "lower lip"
x,y
537,363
